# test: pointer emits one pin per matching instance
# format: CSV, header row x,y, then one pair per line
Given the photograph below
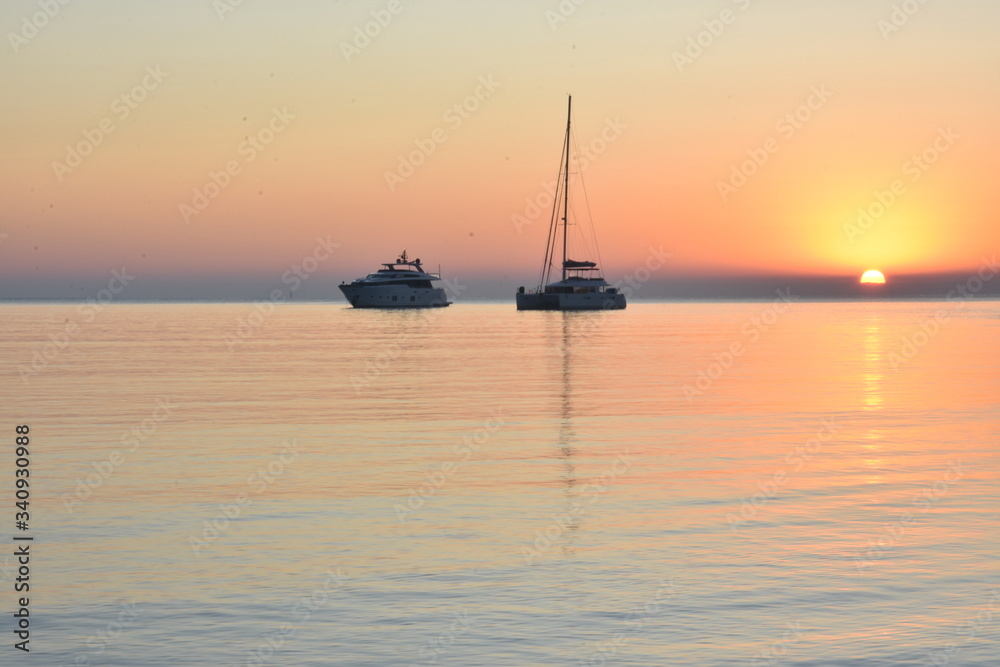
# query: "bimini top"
x,y
581,266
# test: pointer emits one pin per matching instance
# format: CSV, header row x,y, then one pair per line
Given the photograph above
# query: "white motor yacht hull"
x,y
394,296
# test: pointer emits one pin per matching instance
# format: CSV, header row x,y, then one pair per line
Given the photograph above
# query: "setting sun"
x,y
873,277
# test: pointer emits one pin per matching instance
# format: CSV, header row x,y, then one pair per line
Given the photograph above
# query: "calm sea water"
x,y
674,484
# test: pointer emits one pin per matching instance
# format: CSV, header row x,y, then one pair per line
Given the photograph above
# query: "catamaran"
x,y
581,286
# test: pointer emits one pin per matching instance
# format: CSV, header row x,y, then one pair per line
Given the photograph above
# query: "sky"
x,y
220,148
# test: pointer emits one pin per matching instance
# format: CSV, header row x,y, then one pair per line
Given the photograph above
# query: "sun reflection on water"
x,y
873,377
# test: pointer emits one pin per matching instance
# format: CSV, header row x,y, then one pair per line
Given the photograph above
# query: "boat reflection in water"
x,y
582,489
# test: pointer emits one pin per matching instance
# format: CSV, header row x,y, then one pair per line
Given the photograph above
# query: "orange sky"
x,y
331,115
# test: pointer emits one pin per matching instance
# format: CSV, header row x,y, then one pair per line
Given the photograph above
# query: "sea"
x,y
773,482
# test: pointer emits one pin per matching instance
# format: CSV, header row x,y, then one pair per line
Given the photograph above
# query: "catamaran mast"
x,y
569,117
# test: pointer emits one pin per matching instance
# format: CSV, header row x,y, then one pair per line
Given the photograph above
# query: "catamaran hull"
x,y
592,301
394,296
